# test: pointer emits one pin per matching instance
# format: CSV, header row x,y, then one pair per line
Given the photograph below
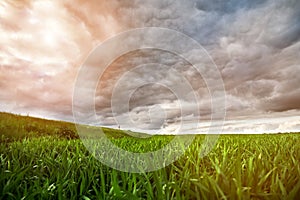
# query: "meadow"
x,y
44,159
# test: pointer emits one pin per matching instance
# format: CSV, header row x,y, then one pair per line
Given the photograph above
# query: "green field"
x,y
42,159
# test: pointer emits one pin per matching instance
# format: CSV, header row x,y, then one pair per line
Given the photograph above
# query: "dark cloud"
x,y
255,44
230,6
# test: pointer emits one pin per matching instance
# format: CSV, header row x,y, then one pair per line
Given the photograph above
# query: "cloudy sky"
x,y
255,45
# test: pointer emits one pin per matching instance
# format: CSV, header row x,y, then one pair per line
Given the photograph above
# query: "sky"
x,y
255,45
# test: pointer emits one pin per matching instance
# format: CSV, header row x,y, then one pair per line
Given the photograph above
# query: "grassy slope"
x,y
14,127
50,163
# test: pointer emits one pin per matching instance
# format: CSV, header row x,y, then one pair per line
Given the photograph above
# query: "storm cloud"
x,y
254,44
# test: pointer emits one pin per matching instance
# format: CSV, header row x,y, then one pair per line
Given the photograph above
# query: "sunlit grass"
x,y
239,167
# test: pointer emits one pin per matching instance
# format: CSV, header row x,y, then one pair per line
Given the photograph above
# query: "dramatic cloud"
x,y
255,45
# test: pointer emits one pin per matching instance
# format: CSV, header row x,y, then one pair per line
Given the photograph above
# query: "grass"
x,y
50,162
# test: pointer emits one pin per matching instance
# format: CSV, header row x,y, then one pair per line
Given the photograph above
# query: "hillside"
x,y
15,127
